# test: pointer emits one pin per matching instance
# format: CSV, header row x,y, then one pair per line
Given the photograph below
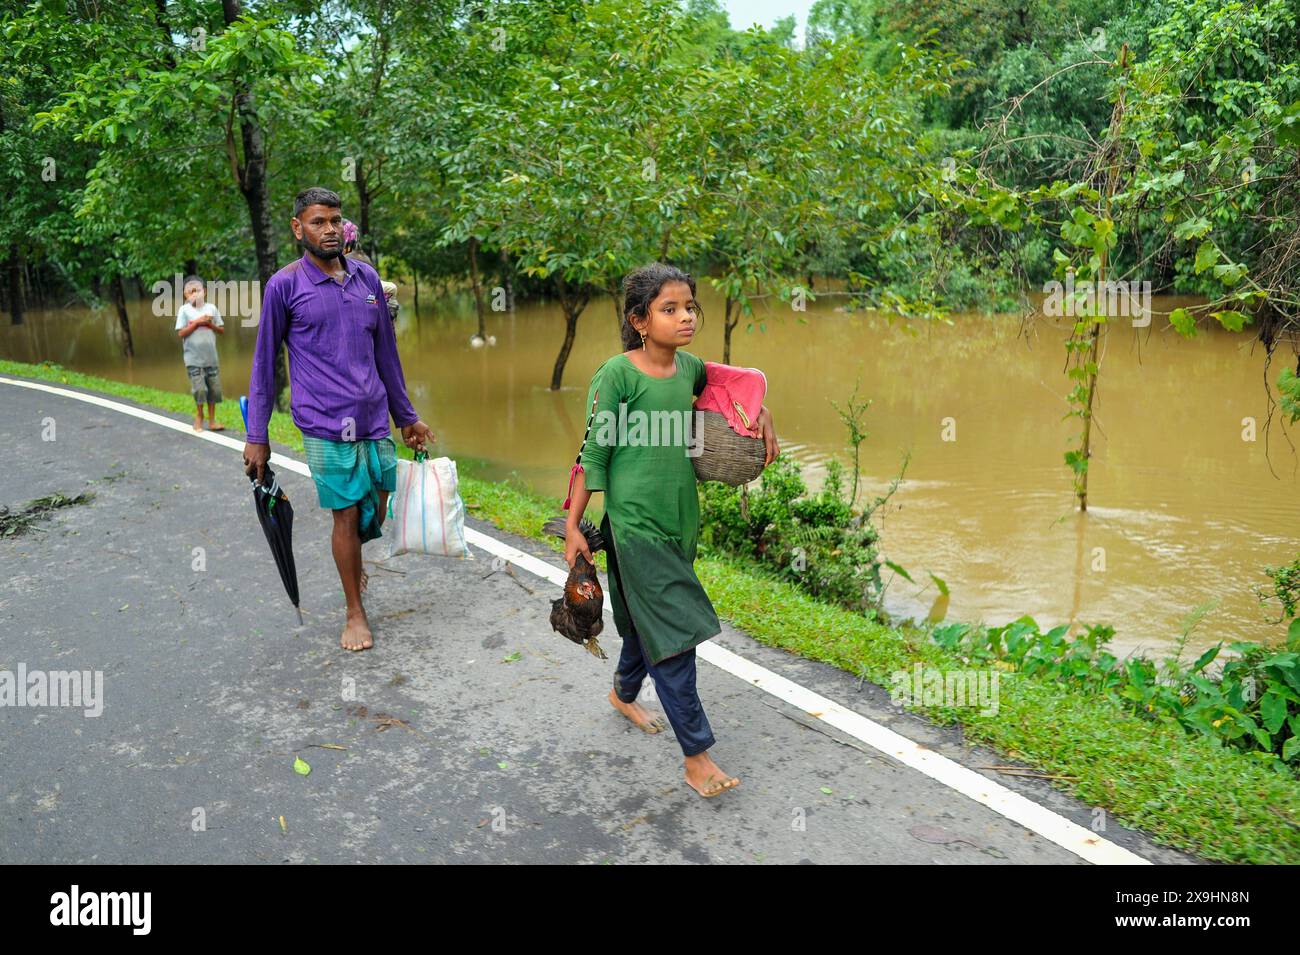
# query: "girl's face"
x,y
673,316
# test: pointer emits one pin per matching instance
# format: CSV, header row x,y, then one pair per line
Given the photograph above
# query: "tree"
x,y
157,112
571,167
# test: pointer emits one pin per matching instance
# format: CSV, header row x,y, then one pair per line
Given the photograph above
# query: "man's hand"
x,y
767,432
255,458
416,435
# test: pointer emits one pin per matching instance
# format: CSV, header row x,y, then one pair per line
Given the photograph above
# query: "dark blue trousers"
x,y
674,685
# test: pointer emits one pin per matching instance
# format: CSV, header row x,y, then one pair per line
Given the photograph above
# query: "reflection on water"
x,y
1183,510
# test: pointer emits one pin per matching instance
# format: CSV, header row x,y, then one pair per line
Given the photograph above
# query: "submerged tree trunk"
x,y
123,319
1090,366
728,326
478,288
572,304
365,200
250,175
618,311
507,282
14,283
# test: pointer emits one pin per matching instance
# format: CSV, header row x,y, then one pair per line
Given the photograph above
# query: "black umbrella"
x,y
275,514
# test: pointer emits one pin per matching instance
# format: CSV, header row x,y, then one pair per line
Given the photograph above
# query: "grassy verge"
x,y
1185,791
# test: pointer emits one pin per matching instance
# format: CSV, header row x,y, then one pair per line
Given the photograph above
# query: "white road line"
x,y
1055,828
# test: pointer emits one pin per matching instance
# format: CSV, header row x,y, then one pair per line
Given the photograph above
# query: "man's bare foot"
x,y
642,718
356,635
706,778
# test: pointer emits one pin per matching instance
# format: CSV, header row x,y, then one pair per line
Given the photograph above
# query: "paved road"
x,y
506,749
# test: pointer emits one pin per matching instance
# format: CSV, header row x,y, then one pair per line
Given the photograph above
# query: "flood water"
x,y
1183,510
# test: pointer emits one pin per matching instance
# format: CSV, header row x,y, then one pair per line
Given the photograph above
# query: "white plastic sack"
x,y
426,514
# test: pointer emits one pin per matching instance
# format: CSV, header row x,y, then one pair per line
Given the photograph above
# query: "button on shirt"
x,y
342,347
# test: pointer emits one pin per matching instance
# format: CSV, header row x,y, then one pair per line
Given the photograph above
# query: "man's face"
x,y
320,230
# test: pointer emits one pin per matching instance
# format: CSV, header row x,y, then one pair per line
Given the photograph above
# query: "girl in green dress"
x,y
638,451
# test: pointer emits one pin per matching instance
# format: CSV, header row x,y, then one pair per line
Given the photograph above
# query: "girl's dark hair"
x,y
641,287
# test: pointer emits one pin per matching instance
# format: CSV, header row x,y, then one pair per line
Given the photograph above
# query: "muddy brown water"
x,y
1183,509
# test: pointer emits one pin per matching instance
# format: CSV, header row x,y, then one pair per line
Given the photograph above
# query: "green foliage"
x,y
1288,387
823,543
1285,590
814,541
1251,703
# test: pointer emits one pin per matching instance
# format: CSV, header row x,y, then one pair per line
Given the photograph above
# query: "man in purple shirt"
x,y
346,378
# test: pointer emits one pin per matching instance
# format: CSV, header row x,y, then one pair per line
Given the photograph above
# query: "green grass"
x,y
1187,792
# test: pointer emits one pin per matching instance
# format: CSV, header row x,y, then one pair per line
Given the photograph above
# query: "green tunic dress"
x,y
636,452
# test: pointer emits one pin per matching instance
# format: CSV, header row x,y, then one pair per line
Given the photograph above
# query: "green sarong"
x,y
353,472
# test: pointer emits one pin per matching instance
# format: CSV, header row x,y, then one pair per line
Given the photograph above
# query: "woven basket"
x,y
726,456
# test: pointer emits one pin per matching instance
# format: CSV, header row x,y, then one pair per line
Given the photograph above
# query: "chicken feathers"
x,y
579,614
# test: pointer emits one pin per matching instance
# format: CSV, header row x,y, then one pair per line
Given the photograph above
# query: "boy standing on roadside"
x,y
198,324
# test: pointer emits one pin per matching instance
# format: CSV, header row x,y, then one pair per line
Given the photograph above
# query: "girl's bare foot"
x,y
356,634
642,718
706,778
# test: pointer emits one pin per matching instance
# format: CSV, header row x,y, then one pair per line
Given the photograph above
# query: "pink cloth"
x,y
735,393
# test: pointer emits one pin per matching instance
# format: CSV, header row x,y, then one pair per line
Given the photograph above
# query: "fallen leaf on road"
x,y
284,827
383,721
300,766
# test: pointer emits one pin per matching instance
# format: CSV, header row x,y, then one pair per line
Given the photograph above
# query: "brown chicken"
x,y
579,614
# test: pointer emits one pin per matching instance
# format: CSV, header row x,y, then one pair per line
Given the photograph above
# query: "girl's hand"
x,y
575,543
767,432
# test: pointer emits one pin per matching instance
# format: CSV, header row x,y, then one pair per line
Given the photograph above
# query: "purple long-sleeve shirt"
x,y
346,375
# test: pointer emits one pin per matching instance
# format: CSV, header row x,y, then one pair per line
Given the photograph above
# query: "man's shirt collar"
x,y
318,276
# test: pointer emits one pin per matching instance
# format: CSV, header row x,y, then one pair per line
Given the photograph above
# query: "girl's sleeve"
x,y
604,395
701,375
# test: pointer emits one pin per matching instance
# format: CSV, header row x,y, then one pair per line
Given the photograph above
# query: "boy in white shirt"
x,y
197,325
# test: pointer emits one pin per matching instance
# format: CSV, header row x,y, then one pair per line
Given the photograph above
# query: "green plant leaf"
x,y
1184,322
1231,320
1206,256
1272,711
898,569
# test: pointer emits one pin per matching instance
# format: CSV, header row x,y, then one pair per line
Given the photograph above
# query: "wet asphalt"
x,y
470,733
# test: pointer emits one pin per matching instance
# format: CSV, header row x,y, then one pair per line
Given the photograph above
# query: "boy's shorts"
x,y
205,383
